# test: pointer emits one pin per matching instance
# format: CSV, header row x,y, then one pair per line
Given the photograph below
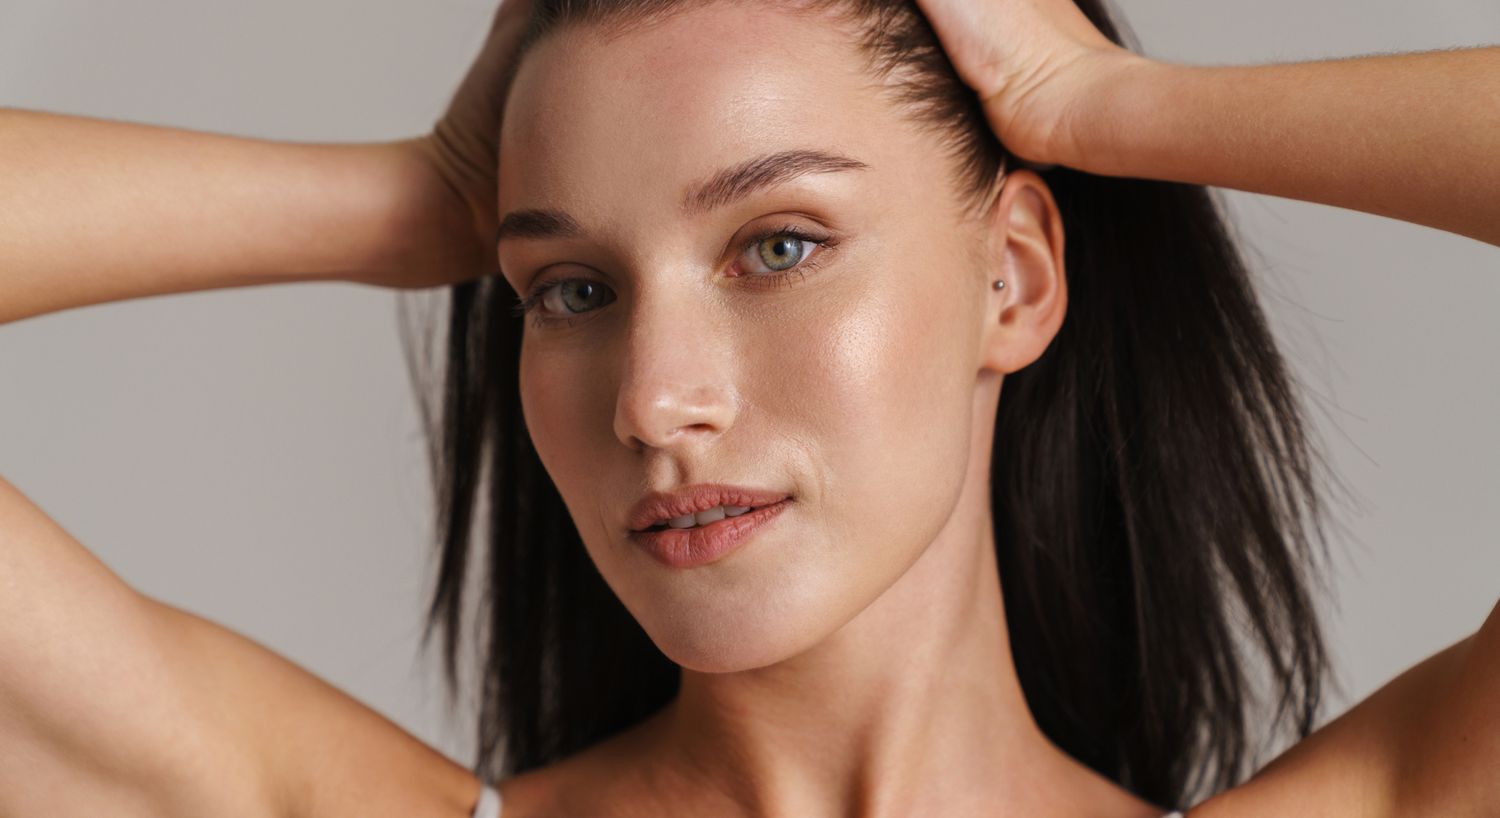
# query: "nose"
x,y
677,388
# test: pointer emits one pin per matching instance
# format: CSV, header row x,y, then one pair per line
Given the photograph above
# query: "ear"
x,y
1026,252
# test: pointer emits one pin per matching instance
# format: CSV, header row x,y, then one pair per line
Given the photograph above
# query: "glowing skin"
x,y
852,657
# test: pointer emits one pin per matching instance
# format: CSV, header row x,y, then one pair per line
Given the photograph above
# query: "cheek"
x,y
878,386
560,416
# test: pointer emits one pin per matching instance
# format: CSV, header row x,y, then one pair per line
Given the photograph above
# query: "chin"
x,y
727,641
718,655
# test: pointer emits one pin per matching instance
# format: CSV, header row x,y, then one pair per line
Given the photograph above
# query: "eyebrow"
x,y
719,190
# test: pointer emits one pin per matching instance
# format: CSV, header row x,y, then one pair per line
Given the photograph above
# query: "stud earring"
x,y
999,285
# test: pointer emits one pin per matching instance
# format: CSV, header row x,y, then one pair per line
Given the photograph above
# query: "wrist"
x,y
1112,123
431,234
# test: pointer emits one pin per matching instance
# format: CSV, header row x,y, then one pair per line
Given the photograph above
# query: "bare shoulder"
x,y
114,703
1425,744
551,791
604,780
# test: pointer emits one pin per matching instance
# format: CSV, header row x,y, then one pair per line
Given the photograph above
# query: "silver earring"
x,y
999,285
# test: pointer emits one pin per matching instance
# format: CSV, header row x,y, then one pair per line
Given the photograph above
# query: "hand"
x,y
1034,63
464,145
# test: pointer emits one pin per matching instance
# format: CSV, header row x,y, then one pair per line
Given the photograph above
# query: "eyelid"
x,y
822,239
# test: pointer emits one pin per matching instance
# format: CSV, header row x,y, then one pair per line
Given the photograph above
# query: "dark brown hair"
x,y
1153,486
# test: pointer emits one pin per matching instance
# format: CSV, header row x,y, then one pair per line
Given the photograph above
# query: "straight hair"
x,y
1153,488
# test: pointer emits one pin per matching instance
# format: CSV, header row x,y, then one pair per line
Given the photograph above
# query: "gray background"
x,y
254,455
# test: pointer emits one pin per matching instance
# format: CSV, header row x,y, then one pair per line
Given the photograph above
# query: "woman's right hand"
x,y
463,147
1034,63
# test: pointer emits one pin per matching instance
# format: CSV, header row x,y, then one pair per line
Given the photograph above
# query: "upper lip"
x,y
665,505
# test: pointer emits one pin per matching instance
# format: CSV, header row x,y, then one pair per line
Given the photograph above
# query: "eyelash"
x,y
775,279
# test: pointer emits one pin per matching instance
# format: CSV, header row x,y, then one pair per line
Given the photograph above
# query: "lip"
x,y
665,505
691,547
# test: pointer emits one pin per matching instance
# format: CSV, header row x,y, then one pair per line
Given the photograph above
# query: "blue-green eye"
x,y
576,295
783,250
554,302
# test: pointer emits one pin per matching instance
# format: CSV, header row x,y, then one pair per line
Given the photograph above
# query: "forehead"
x,y
598,121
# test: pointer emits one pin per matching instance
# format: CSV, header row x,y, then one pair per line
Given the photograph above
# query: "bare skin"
x,y
1058,92
169,210
131,707
792,704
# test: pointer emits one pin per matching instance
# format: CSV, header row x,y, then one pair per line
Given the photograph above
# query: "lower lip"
x,y
690,547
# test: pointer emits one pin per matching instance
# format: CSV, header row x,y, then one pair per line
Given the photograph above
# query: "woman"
x,y
855,652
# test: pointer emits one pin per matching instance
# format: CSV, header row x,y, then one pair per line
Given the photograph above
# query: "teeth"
x,y
707,516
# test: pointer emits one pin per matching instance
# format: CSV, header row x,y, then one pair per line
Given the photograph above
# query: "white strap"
x,y
489,803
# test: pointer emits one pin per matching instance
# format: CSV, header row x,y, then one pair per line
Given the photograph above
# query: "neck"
x,y
913,702
913,707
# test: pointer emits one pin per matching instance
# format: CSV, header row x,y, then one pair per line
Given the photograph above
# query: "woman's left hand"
x,y
1033,62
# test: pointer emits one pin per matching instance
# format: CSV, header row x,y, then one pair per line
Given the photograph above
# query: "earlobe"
x,y
1026,311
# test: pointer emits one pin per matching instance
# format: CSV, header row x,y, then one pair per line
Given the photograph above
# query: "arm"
x,y
1411,136
1414,137
1449,732
94,210
97,712
1425,744
112,703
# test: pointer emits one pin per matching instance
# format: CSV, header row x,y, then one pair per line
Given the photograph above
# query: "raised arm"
x,y
94,210
115,703
1411,136
112,703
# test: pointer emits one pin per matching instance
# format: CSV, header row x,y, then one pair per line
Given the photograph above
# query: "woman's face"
x,y
842,375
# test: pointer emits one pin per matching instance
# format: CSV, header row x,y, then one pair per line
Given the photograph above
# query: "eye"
x,y
784,251
575,295
557,301
788,252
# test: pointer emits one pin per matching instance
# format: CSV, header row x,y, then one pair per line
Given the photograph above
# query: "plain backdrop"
x,y
255,456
